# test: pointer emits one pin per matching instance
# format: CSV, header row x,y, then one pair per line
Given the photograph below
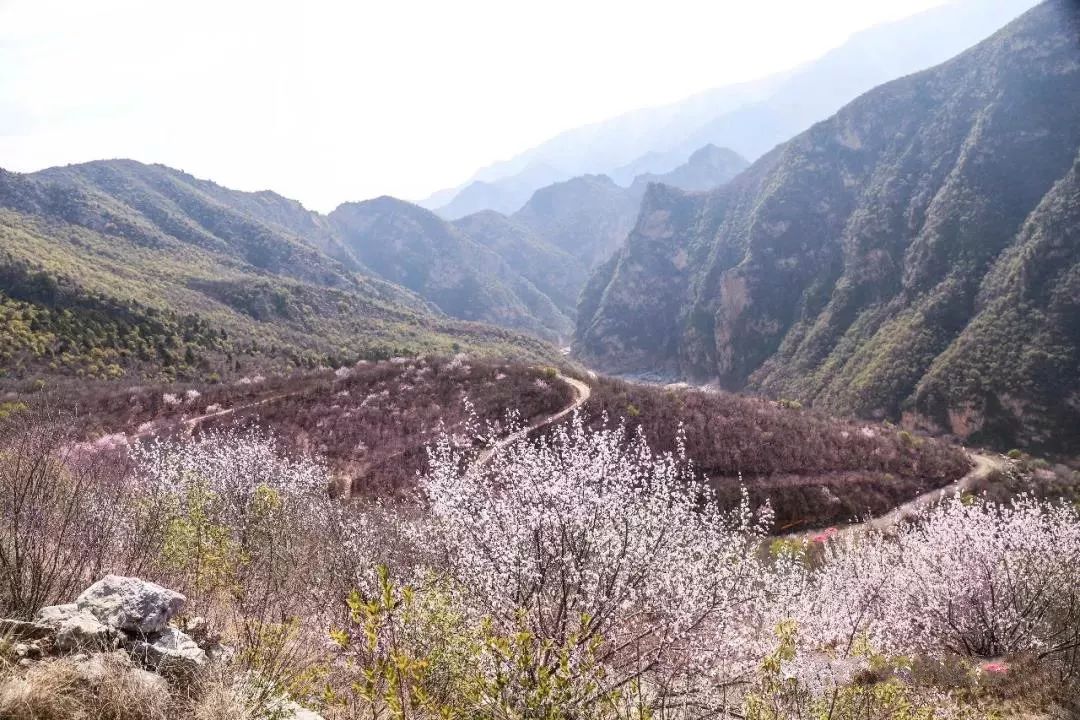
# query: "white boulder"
x,y
131,604
55,614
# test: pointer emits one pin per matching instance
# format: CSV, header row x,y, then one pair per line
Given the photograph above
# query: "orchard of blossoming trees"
x,y
577,575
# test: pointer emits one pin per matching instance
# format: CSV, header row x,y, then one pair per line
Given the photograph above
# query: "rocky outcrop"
x,y
131,604
124,612
53,615
83,631
73,629
125,626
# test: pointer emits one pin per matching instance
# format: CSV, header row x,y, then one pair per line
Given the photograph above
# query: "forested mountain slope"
x,y
915,255
417,249
117,268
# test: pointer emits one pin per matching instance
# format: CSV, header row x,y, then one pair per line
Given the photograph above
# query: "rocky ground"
x,y
121,631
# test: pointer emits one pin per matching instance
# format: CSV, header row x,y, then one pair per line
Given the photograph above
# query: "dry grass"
x,y
110,686
218,696
107,687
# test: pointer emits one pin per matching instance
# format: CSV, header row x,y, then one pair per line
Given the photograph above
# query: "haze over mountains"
x,y
917,255
749,118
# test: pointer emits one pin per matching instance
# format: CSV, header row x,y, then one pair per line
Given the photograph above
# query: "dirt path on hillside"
x,y
582,392
983,466
188,425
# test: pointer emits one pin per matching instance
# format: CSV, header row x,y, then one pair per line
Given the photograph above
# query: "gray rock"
x,y
83,631
217,652
55,614
169,651
22,630
131,604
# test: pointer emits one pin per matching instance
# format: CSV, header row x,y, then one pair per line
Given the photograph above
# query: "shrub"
x,y
243,529
7,409
792,684
812,469
389,657
969,579
63,516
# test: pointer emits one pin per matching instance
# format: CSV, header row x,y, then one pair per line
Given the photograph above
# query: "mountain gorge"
x,y
112,267
570,227
914,256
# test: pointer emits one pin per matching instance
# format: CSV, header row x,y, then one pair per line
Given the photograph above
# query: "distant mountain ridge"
x,y
707,168
414,248
916,256
570,227
97,255
115,267
750,118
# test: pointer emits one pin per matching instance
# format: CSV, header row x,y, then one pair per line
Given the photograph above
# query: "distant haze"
x,y
329,102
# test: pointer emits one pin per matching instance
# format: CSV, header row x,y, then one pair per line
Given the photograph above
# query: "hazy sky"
x,y
335,101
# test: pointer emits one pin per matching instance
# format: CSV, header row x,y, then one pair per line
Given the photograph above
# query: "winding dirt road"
x,y
582,392
983,466
188,425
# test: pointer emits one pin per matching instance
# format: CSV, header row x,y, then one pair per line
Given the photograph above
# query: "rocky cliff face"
x,y
914,254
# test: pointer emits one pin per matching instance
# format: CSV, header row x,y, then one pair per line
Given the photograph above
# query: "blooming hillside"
x,y
578,575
